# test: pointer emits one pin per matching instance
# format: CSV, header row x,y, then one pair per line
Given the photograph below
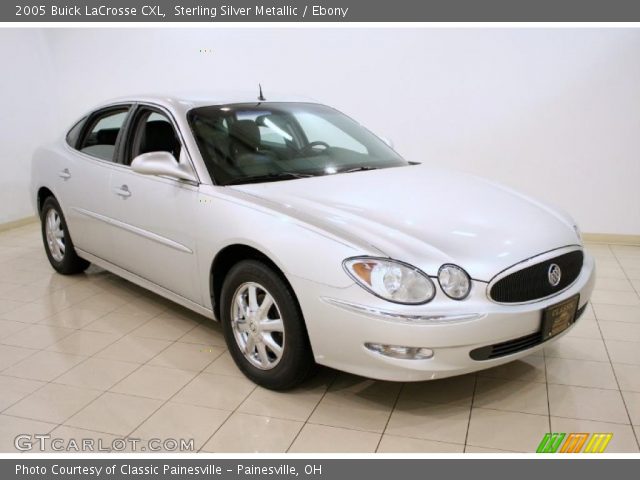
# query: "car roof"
x,y
181,103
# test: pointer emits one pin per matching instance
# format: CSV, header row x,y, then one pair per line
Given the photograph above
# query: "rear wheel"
x,y
264,328
57,241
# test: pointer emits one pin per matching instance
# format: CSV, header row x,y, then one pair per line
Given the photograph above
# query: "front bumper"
x,y
340,321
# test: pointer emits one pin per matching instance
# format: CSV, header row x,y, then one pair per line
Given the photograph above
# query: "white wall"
x,y
555,113
27,115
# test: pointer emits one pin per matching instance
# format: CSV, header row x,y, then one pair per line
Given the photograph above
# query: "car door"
x,y
154,230
84,180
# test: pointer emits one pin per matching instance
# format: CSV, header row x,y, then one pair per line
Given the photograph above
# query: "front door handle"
x,y
64,174
123,191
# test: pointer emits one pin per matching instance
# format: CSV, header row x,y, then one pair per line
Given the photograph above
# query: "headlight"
x,y
454,281
391,280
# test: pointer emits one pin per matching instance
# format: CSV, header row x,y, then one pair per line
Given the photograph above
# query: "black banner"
x,y
369,469
320,11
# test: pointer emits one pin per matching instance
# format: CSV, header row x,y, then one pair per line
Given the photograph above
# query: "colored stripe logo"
x,y
550,442
598,442
574,442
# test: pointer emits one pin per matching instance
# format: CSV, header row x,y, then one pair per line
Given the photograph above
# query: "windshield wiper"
x,y
269,177
363,168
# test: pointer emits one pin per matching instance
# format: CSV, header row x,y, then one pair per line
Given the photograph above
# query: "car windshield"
x,y
264,142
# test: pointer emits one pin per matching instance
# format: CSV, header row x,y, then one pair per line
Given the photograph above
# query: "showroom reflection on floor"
x,y
94,356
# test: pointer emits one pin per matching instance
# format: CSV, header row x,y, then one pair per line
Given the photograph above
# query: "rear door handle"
x,y
64,174
123,191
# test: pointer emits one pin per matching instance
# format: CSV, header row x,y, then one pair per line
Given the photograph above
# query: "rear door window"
x,y
102,134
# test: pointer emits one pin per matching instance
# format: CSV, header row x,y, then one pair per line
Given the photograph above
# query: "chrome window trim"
x,y
529,262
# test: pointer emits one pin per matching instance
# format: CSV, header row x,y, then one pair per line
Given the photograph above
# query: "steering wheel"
x,y
309,147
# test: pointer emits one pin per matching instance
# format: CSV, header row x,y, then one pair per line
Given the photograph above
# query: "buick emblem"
x,y
554,274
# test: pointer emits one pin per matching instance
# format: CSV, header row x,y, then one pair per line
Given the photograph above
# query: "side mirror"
x,y
161,163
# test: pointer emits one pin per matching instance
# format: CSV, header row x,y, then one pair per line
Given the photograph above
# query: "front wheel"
x,y
57,241
263,327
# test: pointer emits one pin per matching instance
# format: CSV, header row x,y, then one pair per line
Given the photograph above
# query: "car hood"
x,y
423,215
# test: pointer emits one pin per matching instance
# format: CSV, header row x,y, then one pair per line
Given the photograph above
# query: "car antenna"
x,y
261,97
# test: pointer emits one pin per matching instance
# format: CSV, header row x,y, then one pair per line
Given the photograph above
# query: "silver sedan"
x,y
309,238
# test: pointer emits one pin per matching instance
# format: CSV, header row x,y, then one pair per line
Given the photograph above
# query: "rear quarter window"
x,y
74,134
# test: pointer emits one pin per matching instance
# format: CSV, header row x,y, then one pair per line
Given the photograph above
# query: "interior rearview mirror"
x,y
161,163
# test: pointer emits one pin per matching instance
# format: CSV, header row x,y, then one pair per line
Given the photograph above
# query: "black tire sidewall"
x,y
297,359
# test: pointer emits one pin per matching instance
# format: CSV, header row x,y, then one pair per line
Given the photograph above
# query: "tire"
x,y
250,329
60,252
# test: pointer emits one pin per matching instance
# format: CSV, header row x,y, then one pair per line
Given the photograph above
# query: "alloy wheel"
x,y
257,325
55,235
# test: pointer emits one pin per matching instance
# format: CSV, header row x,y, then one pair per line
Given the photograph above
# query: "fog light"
x,y
405,353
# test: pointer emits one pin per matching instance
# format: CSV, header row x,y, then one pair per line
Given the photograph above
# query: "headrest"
x,y
158,137
246,132
107,136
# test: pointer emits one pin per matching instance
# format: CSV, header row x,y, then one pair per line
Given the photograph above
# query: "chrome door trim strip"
x,y
167,242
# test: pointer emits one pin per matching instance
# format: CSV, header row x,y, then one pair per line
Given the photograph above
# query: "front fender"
x,y
297,250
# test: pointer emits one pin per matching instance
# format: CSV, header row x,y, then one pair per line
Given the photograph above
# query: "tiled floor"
x,y
93,356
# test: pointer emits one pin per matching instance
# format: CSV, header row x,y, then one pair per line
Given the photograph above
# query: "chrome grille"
x,y
533,282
